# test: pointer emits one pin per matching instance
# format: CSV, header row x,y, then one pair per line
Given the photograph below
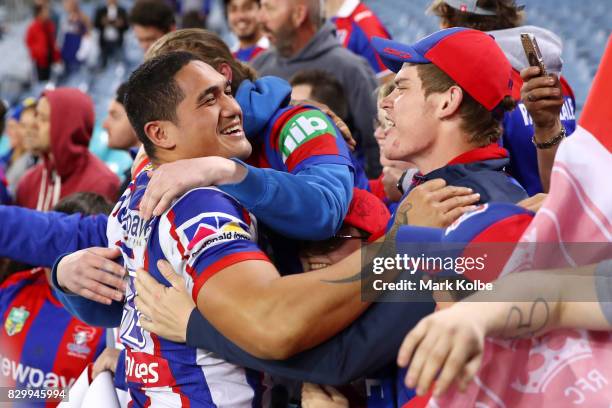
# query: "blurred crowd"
x,y
231,265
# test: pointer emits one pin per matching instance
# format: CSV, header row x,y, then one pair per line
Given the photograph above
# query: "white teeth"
x,y
315,266
231,130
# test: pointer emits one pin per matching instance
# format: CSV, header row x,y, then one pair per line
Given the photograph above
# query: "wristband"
x,y
552,142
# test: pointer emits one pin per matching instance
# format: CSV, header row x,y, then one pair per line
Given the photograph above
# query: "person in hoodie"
x,y
303,40
65,119
531,140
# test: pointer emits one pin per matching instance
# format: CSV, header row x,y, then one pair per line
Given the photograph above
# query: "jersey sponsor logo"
x,y
15,320
81,337
302,128
479,210
213,229
147,369
32,377
136,228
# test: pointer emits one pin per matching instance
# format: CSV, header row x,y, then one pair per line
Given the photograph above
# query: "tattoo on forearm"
x,y
401,218
518,321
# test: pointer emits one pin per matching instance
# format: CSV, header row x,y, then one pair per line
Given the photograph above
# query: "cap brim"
x,y
395,54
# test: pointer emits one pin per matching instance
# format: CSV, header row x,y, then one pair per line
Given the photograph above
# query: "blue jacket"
x,y
484,171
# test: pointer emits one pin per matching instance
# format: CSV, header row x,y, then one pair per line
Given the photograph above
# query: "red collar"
x,y
490,152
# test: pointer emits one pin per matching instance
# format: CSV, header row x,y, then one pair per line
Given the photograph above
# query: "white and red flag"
x,y
564,368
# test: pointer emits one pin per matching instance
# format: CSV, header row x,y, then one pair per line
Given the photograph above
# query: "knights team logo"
x,y
81,336
211,229
15,320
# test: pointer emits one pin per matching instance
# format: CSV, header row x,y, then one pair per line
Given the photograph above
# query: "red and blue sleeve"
x,y
305,136
212,231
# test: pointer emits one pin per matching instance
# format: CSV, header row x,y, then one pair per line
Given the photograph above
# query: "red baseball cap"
x,y
367,212
470,57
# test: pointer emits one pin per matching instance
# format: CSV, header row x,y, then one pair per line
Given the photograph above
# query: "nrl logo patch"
x,y
15,320
81,336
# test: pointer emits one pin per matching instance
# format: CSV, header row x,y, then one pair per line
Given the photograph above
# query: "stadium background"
x,y
584,27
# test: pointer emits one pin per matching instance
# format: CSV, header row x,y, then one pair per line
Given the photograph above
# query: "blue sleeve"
x,y
93,313
39,238
120,381
308,205
364,348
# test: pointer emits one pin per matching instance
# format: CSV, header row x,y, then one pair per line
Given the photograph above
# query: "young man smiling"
x,y
243,20
452,88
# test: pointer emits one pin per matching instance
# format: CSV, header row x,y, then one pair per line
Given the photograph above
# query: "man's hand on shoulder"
x,y
434,204
165,311
172,180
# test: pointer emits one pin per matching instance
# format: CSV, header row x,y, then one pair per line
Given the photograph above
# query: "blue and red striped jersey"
x,y
356,25
300,136
41,344
247,54
203,232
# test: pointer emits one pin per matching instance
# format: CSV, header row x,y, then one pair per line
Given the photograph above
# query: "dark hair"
x,y
37,9
3,110
193,19
325,89
153,94
153,13
84,203
207,47
226,4
507,15
482,125
120,93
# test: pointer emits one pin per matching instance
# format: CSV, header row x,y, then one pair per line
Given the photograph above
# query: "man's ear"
x,y
225,70
157,132
299,14
449,102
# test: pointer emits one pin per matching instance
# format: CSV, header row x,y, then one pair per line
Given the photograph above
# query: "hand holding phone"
x,y
532,51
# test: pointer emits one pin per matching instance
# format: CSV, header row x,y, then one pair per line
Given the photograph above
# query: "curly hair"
x,y
507,15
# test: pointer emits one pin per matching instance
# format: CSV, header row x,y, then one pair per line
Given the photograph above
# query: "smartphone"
x,y
532,51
